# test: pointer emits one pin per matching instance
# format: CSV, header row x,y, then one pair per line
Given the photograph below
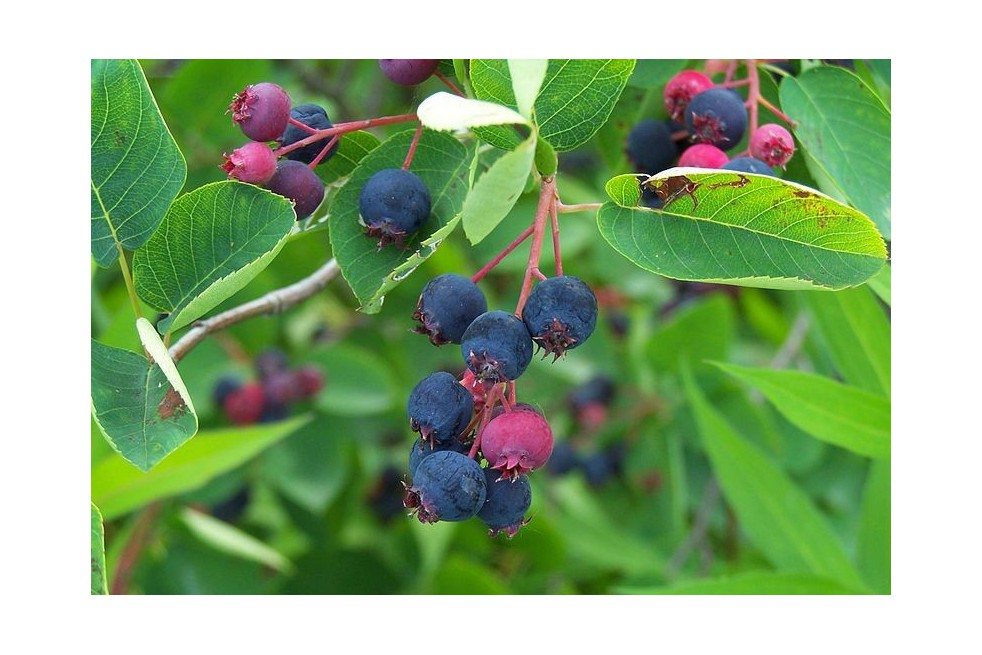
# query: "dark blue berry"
x,y
294,180
313,116
448,486
224,387
717,116
423,448
439,407
447,305
600,389
506,503
560,314
650,146
393,205
603,465
748,165
386,494
564,458
496,347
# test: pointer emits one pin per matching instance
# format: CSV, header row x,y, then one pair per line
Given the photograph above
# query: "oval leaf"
x,y
137,168
100,586
212,242
442,162
828,410
527,76
445,111
497,191
138,410
844,128
742,229
229,539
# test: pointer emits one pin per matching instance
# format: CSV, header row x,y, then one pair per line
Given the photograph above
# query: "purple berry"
x,y
650,147
517,442
310,379
448,486
254,163
681,89
496,347
295,181
718,117
312,116
269,362
560,314
772,144
393,205
447,305
408,72
439,407
506,503
261,111
245,405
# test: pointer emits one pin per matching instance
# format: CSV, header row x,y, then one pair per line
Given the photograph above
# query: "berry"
x,y
385,495
496,347
564,459
393,205
224,387
681,89
423,449
270,362
517,442
408,72
717,116
282,389
603,465
748,165
703,155
448,486
560,314
650,147
447,305
295,181
245,405
506,503
439,407
772,144
313,116
254,163
599,389
261,111
310,379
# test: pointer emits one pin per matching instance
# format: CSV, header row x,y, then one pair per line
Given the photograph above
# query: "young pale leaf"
x,y
137,168
496,192
158,352
229,539
778,516
100,586
139,411
118,488
751,584
873,550
444,111
845,128
835,413
856,332
526,80
574,101
741,229
442,162
211,243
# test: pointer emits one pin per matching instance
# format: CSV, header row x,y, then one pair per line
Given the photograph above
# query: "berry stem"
x,y
323,153
753,94
730,72
412,147
306,128
501,255
554,219
547,198
443,78
777,112
344,128
539,275
734,84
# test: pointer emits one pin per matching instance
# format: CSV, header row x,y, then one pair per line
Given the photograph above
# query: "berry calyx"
x,y
517,442
448,486
772,144
313,116
439,407
446,306
560,314
408,72
254,163
393,205
295,181
681,89
703,155
718,117
496,347
261,111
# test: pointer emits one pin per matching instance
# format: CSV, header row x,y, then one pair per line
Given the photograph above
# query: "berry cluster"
x,y
270,396
706,120
476,418
589,404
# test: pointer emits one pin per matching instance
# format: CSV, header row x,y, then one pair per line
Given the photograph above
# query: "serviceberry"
x,y
446,306
310,379
564,458
748,165
393,205
295,181
517,442
650,147
448,486
254,163
703,155
408,72
680,90
772,144
422,448
261,111
439,407
506,503
717,116
245,405
496,347
560,314
313,116
269,362
224,387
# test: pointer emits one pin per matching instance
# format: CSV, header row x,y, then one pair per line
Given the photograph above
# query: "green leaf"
x,y
880,284
575,100
742,229
700,331
458,575
750,584
856,331
442,162
100,586
527,76
118,488
352,148
444,111
655,73
360,382
496,192
845,128
838,414
229,539
212,242
874,528
143,414
137,168
778,517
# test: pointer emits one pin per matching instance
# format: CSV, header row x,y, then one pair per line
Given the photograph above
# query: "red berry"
x,y
261,111
310,379
254,163
517,442
772,144
245,405
703,155
681,89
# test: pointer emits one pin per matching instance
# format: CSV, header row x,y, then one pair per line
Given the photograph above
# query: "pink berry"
x,y
703,155
254,163
681,89
245,405
517,442
261,111
772,144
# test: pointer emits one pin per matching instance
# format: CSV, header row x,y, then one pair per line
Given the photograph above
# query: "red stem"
x,y
412,147
344,128
734,84
547,198
443,78
134,547
777,112
504,253
305,128
494,396
323,153
753,94
554,219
